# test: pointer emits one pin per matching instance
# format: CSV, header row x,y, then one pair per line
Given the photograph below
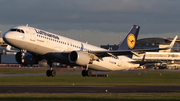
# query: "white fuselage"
x,y
42,42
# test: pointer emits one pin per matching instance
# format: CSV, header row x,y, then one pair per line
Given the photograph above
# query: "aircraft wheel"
x,y
88,73
84,73
53,73
48,73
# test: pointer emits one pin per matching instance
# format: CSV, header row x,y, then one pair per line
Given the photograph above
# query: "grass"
x,y
89,96
149,78
21,70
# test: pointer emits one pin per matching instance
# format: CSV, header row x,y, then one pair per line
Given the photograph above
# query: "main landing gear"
x,y
50,72
86,73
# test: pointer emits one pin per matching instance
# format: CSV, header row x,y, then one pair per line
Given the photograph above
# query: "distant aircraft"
x,y
36,44
160,59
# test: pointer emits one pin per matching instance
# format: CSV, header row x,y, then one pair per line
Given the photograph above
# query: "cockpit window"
x,y
17,30
22,31
13,29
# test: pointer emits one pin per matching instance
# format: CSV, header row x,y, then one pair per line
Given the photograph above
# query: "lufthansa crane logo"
x,y
131,41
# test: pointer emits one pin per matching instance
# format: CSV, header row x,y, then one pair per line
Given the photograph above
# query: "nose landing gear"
x,y
50,72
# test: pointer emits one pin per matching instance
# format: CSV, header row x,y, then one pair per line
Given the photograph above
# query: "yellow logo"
x,y
131,41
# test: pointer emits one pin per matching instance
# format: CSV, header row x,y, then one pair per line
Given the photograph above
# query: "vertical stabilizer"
x,y
130,40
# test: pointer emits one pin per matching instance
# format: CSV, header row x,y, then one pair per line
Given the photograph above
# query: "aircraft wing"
x,y
115,53
144,62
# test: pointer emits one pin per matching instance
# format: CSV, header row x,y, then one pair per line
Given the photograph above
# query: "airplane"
x,y
35,44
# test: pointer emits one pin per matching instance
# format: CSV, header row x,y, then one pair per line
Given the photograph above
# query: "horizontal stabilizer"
x,y
144,62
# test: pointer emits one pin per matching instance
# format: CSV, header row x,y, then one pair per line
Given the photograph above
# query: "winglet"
x,y
172,43
143,60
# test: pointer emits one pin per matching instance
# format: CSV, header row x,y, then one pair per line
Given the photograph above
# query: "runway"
x,y
89,89
94,72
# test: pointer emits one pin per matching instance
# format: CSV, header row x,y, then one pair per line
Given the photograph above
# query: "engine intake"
x,y
79,58
27,59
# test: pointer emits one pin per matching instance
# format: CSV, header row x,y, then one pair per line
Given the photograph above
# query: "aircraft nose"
x,y
7,37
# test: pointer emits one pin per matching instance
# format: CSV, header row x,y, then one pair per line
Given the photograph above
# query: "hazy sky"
x,y
97,21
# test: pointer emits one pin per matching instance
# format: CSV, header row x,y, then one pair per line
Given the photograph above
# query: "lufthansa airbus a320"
x,y
35,44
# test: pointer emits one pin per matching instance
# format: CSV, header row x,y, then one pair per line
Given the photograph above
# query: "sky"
x,y
98,22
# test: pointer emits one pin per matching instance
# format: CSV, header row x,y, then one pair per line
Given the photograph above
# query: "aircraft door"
x,y
32,35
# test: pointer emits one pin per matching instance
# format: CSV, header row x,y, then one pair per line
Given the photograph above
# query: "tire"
x,y
53,73
48,73
84,73
89,73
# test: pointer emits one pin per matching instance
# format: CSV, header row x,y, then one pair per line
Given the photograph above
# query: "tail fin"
x,y
130,40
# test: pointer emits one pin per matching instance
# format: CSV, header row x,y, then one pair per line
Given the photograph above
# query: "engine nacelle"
x,y
79,58
26,59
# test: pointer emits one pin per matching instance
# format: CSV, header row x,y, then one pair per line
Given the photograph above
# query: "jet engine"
x,y
26,58
79,58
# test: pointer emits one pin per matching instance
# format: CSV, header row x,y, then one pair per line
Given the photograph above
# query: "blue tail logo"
x,y
131,41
